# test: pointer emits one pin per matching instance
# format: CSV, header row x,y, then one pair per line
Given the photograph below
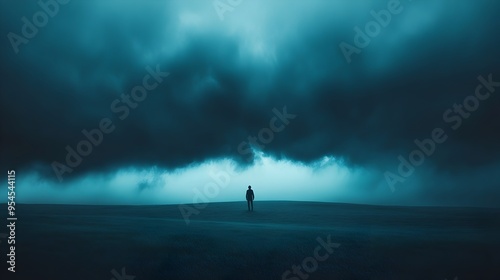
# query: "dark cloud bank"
x,y
226,76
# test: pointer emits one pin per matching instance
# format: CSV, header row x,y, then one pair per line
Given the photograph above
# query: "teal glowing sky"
x,y
410,67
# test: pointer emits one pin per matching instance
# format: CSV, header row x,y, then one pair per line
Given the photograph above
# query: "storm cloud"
x,y
228,77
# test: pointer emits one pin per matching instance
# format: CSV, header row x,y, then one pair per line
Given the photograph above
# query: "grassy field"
x,y
224,241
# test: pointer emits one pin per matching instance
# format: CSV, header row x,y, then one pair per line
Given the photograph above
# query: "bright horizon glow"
x,y
326,180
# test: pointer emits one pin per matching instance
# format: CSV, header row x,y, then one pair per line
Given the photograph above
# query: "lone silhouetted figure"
x,y
250,198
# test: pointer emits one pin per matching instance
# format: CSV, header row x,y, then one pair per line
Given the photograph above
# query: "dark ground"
x,y
226,242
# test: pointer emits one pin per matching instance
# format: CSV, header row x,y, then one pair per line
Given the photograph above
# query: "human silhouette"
x,y
250,198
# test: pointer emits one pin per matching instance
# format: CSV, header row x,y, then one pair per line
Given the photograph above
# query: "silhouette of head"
x,y
249,187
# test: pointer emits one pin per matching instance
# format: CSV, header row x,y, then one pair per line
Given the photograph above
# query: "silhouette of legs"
x,y
250,205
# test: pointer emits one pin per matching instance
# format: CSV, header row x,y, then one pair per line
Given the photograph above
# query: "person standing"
x,y
250,198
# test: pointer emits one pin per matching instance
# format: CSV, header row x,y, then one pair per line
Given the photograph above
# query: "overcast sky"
x,y
335,93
